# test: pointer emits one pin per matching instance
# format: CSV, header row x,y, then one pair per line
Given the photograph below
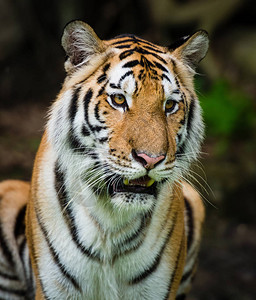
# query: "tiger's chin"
x,y
133,202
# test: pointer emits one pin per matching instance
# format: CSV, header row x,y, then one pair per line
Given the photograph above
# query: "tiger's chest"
x,y
83,262
137,275
113,282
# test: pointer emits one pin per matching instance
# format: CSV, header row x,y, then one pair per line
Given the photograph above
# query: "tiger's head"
x,y
127,119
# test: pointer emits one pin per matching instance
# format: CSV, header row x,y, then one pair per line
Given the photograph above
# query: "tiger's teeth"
x,y
150,182
126,181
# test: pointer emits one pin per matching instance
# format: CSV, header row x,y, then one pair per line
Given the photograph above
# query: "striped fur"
x,y
16,276
108,216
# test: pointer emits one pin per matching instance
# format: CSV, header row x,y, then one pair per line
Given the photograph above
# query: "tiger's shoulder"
x,y
13,195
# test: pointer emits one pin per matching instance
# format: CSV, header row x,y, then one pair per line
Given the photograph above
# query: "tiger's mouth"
x,y
141,185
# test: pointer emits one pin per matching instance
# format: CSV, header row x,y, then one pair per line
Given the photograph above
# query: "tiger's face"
x,y
134,119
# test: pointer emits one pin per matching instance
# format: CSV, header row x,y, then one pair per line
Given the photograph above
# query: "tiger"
x,y
109,213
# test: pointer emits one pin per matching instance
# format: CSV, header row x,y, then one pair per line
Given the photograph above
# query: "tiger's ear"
x,y
80,43
191,49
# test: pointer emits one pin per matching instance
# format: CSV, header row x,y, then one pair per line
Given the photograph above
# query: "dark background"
x,y
31,65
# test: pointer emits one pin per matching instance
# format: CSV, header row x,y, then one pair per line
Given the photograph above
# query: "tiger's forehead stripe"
x,y
141,50
134,39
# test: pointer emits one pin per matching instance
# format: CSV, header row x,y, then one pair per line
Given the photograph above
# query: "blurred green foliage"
x,y
228,111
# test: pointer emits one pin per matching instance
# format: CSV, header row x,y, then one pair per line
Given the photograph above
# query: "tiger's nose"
x,y
147,161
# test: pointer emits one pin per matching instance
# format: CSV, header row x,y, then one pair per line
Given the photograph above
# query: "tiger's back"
x,y
109,216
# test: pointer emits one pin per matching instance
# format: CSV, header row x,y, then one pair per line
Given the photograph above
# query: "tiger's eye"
x,y
118,99
169,105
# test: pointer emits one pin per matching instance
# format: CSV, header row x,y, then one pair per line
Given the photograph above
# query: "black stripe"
x,y
17,292
174,63
65,206
123,77
28,271
132,237
131,64
132,248
153,49
87,100
5,247
123,46
181,149
183,121
177,81
123,41
55,255
136,88
166,77
142,51
20,222
147,272
146,52
101,78
96,113
179,137
125,54
93,154
183,97
114,86
190,223
106,67
85,131
144,62
73,105
134,39
146,42
103,140
8,276
158,257
102,89
75,144
97,128
191,111
176,73
161,67
175,269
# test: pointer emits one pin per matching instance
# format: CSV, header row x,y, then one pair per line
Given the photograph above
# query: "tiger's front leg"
x,y
16,276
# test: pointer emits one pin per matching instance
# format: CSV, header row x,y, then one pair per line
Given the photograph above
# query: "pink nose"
x,y
147,161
